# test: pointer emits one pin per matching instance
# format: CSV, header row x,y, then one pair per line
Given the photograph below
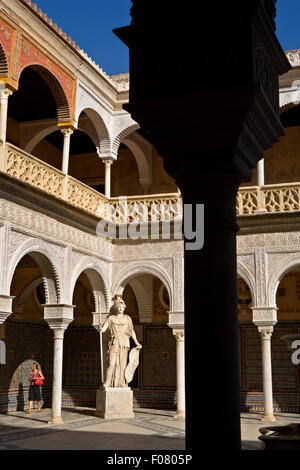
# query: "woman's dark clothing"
x,y
34,393
34,390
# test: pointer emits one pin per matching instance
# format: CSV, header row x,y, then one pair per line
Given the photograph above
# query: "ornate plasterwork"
x,y
123,272
147,249
112,126
246,270
275,239
49,258
62,253
98,273
263,260
35,224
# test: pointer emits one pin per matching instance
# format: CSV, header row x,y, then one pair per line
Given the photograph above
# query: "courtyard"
x,y
81,430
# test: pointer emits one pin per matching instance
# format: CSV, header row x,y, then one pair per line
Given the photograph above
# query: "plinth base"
x,y
57,420
114,403
268,418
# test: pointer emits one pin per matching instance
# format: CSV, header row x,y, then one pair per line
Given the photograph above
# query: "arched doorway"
x,y
250,355
81,362
28,337
285,374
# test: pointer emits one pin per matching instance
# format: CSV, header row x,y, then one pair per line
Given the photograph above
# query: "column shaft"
x,y
57,376
180,376
108,162
4,94
266,334
66,150
261,173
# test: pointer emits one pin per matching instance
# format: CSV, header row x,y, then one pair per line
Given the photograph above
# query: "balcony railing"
x,y
18,164
145,208
270,198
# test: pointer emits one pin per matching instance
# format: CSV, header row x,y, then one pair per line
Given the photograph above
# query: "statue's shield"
x,y
132,364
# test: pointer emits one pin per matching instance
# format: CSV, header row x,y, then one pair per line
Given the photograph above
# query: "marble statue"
x,y
120,325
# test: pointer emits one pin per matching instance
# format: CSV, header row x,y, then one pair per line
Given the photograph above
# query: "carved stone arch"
x,y
101,138
135,269
144,297
121,136
279,271
143,157
247,277
44,260
38,137
89,128
61,100
99,286
289,105
3,63
24,294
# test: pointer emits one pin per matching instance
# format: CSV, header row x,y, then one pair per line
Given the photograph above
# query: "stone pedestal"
x,y
114,402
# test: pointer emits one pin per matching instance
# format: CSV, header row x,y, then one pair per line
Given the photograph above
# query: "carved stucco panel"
x,y
265,240
35,224
142,250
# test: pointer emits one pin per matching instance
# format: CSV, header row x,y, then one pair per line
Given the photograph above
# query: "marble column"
x,y
261,172
266,333
180,377
58,336
260,184
4,94
108,162
66,150
58,318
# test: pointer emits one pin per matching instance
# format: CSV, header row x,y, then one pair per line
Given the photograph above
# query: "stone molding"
x,y
58,316
176,320
264,315
5,307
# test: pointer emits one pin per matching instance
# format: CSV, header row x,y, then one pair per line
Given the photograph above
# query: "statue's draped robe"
x,y
121,328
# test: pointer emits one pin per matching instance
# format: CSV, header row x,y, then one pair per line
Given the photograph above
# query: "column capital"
x,y
108,161
5,93
266,331
67,131
58,316
179,335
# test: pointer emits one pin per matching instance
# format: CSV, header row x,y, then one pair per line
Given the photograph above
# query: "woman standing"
x,y
34,390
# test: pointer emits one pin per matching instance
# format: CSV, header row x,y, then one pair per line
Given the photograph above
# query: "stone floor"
x,y
251,423
81,430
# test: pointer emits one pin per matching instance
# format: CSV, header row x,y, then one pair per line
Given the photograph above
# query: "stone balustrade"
x,y
270,198
145,208
18,164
